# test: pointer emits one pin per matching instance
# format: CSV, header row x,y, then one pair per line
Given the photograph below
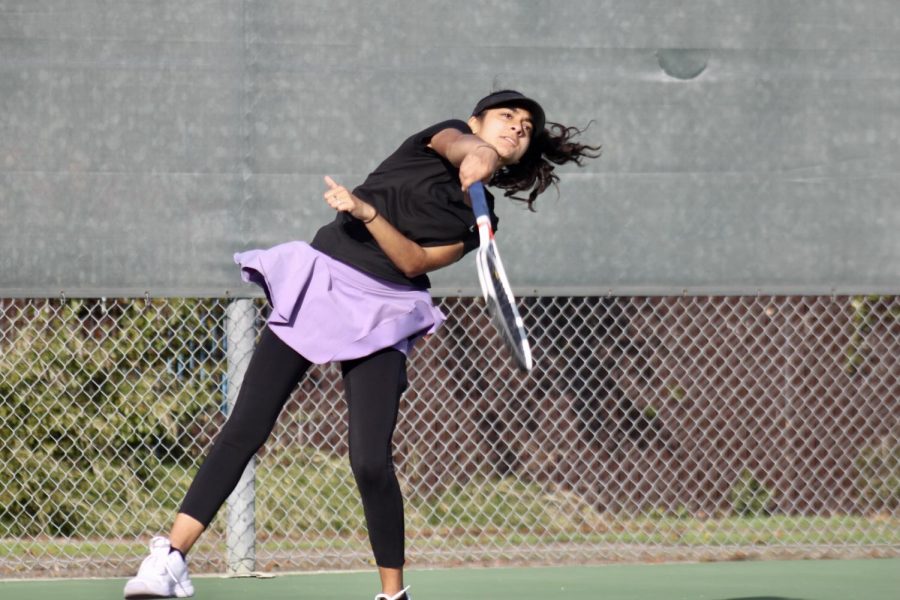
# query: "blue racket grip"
x,y
479,203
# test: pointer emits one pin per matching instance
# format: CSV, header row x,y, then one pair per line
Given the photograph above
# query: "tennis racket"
x,y
498,296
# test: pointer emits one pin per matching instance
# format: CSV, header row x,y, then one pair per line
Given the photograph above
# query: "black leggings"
x,y
373,386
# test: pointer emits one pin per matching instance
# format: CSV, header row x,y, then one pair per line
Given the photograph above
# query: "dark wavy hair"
x,y
552,146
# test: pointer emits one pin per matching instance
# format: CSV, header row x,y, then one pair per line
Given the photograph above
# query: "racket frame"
x,y
487,260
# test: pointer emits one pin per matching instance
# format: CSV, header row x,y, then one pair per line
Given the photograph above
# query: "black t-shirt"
x,y
418,192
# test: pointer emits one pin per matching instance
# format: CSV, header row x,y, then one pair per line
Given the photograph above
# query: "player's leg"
x,y
273,373
271,376
373,387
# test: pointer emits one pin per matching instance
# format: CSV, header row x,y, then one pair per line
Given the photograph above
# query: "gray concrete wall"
x,y
748,146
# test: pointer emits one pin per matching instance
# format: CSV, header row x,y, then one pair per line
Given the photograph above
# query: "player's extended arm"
x,y
477,160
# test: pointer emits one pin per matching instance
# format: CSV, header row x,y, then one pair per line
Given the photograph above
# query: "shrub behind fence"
x,y
673,427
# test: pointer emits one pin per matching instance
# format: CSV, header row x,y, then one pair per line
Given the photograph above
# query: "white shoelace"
x,y
165,560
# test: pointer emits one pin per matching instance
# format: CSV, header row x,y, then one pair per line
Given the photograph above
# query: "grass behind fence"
x,y
314,492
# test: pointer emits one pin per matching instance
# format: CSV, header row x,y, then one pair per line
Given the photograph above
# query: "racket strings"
x,y
505,315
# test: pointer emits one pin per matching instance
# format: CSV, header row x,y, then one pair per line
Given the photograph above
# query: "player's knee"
x,y
242,440
371,473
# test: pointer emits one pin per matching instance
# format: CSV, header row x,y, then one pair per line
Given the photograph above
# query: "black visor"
x,y
514,99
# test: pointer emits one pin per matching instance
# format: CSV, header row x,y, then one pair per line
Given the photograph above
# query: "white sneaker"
x,y
401,595
163,574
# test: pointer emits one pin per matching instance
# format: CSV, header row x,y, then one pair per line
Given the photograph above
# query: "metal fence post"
x,y
241,527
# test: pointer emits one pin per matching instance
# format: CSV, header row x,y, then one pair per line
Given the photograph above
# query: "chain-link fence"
x,y
651,427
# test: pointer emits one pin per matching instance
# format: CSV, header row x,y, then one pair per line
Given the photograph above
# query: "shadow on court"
x,y
763,598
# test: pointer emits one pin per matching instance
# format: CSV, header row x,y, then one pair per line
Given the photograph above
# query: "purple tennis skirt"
x,y
328,311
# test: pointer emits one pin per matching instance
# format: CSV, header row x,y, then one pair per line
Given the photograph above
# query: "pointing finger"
x,y
331,183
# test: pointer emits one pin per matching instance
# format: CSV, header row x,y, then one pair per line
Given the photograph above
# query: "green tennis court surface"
x,y
767,580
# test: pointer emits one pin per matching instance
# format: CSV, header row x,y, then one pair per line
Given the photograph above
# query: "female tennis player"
x,y
358,294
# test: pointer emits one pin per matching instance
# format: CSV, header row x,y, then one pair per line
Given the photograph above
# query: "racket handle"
x,y
479,203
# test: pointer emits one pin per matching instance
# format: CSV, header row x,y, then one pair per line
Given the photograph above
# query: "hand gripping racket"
x,y
498,296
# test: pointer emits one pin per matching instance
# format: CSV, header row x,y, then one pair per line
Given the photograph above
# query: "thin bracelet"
x,y
486,145
375,216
